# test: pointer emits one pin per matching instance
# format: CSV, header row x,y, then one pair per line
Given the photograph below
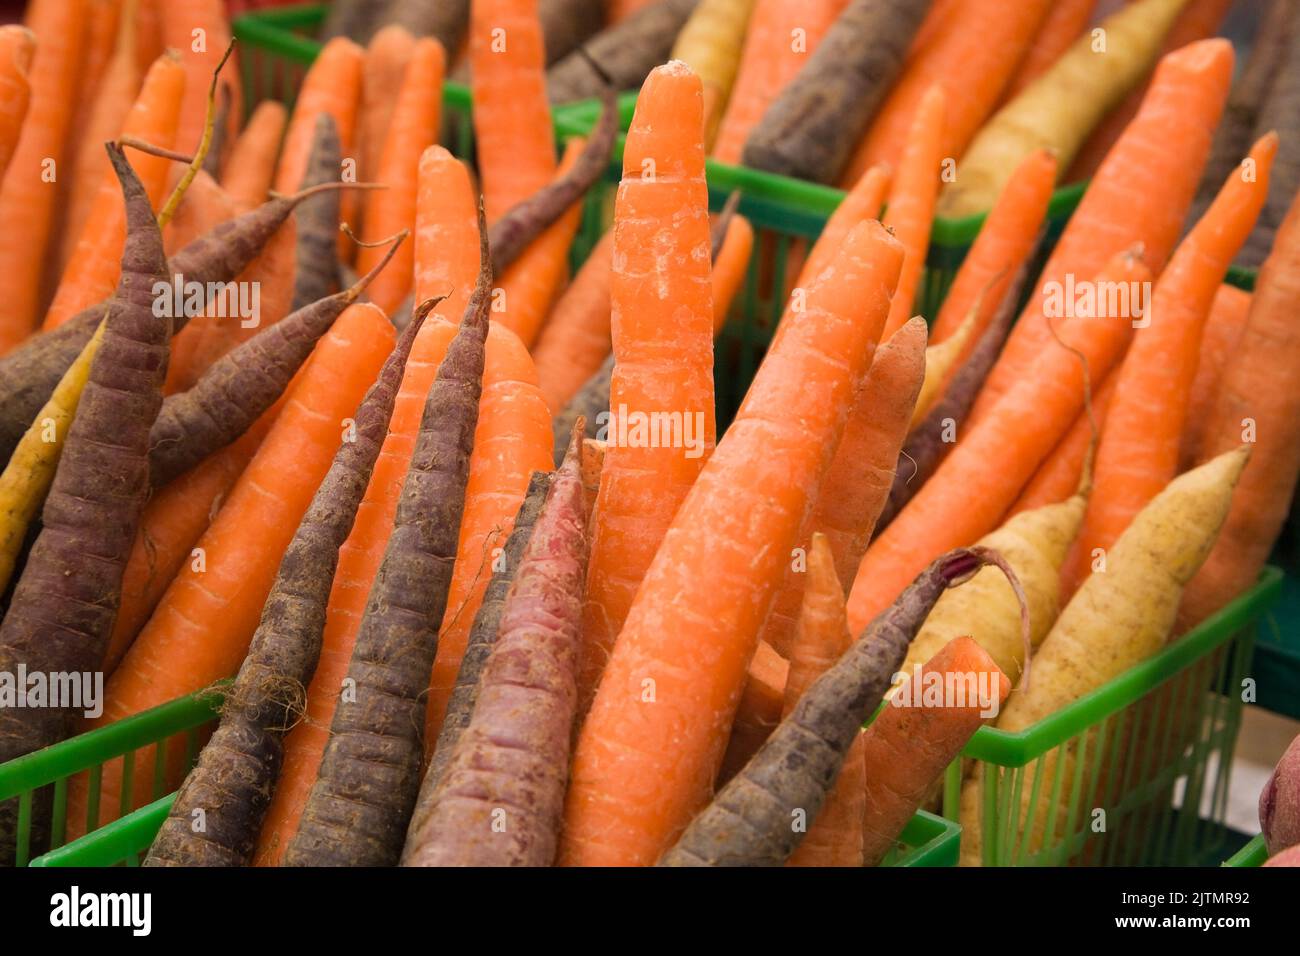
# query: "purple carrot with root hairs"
x,y
30,372
749,821
236,389
231,785
522,223
501,798
482,636
62,610
369,777
316,260
925,446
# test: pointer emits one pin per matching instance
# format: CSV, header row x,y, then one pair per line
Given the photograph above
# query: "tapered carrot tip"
x,y
574,452
669,109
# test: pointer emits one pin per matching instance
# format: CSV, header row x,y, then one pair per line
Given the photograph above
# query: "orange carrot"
x,y
730,268
171,525
863,201
782,34
1223,330
29,196
1140,195
617,10
205,205
512,440
412,130
527,288
17,47
201,628
248,175
910,744
1199,20
972,57
1138,453
200,31
148,34
332,85
575,339
662,319
446,233
1005,241
512,116
103,17
1058,477
1064,22
1256,401
909,210
111,99
647,756
967,495
835,837
93,269
387,55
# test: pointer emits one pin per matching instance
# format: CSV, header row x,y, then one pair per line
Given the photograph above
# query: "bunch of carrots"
x,y
312,414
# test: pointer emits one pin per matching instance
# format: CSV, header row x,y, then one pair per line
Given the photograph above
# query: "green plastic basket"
x,y
927,840
1156,738
1251,855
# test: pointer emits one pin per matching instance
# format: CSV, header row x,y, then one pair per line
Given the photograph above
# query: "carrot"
x,y
790,776
627,51
512,118
316,265
515,751
730,266
388,53
861,202
1058,477
758,711
172,523
834,838
929,441
1138,452
17,47
525,221
620,10
1064,21
202,627
29,196
1199,21
332,85
205,205
1113,621
359,806
968,493
235,390
482,636
412,129
248,175
858,480
30,471
1006,241
782,34
200,31
909,745
1139,195
909,210
93,269
1224,327
1254,402
111,99
710,43
713,590
61,611
445,231
972,56
528,286
575,339
268,692
812,125
663,368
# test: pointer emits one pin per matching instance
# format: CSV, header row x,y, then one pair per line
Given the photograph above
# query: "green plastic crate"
x,y
1132,756
1251,855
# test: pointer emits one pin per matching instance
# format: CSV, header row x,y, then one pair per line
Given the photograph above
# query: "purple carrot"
x,y
748,823
369,777
243,383
316,265
501,798
230,787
